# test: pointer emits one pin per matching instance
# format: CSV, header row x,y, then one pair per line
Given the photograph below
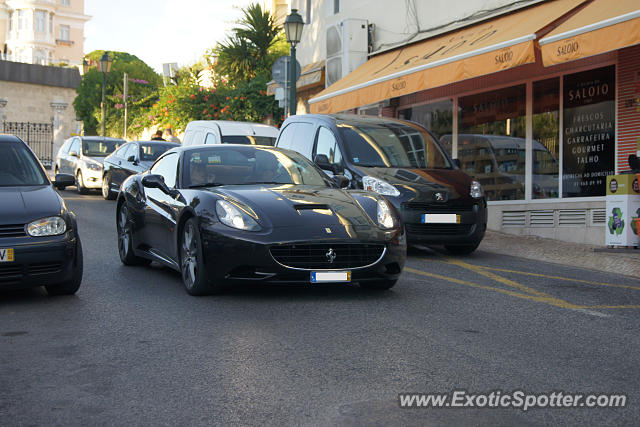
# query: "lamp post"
x,y
105,67
293,29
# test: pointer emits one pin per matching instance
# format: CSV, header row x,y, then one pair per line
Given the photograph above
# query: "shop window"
x,y
588,134
436,116
491,141
545,146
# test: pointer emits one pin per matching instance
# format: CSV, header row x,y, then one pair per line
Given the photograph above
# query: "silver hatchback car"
x,y
82,157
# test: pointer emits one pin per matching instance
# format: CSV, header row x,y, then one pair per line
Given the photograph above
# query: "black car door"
x,y
129,163
160,217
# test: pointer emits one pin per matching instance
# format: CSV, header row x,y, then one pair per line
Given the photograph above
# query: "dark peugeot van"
x,y
440,204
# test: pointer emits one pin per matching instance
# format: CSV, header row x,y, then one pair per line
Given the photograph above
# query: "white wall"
x,y
395,21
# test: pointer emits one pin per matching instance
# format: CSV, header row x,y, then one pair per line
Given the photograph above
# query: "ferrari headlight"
x,y
386,219
52,226
233,216
379,186
476,190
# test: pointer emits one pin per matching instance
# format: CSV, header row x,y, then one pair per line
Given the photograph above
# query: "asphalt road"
x,y
133,348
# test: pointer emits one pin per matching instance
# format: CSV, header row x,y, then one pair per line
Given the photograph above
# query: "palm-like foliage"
x,y
249,50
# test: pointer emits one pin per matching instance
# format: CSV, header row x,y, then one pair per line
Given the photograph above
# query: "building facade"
x,y
43,32
540,100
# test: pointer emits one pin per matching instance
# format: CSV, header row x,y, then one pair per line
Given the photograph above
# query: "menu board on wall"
x,y
588,132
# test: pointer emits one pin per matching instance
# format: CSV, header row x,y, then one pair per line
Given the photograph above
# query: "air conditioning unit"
x,y
347,43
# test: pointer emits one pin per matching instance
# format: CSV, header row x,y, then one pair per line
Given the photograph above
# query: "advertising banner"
x,y
588,132
623,207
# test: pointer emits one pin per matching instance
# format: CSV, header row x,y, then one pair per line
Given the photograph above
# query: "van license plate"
x,y
440,218
330,276
6,255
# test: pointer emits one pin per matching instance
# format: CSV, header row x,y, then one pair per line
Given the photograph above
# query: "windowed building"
x,y
42,32
539,100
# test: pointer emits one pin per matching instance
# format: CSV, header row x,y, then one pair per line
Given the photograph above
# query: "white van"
x,y
228,132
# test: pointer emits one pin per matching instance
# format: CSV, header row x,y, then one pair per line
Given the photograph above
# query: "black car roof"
x,y
5,137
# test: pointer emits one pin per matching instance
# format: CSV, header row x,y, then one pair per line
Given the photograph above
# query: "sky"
x,y
159,31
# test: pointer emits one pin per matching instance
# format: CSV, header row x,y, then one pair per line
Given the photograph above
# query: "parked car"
x,y
498,163
39,242
228,132
439,203
224,214
131,158
82,157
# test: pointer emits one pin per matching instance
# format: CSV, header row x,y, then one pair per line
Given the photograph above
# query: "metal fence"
x,y
39,136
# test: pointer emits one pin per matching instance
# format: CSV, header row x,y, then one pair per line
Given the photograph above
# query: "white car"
x,y
228,132
82,157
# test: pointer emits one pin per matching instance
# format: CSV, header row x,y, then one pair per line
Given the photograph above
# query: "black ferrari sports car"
x,y
235,213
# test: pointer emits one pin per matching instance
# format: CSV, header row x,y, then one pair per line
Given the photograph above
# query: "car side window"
x,y
303,139
286,136
65,147
167,167
75,146
328,145
188,136
210,139
132,151
121,151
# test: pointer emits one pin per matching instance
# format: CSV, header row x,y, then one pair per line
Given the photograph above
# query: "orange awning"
x,y
602,26
480,49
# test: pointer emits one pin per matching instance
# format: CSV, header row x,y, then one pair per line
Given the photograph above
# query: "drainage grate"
x,y
598,217
572,217
514,218
542,218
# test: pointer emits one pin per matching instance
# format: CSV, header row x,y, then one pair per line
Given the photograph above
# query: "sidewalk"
x,y
626,262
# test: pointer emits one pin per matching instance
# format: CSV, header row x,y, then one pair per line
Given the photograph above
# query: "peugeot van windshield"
x,y
391,144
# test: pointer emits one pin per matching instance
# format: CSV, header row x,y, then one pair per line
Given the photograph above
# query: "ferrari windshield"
x,y
238,165
391,144
18,166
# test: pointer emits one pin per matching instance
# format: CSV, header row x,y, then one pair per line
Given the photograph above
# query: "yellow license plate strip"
x,y
6,255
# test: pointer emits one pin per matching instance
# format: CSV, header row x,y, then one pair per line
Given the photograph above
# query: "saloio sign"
x,y
588,132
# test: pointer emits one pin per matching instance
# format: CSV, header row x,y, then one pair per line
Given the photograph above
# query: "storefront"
x,y
543,128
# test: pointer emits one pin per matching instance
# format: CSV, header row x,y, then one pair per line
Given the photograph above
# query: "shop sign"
x,y
588,132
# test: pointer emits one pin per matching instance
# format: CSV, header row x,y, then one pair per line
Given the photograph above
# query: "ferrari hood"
x,y
25,204
296,205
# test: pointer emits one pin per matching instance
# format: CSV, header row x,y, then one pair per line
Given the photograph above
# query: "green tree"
x,y
252,47
143,87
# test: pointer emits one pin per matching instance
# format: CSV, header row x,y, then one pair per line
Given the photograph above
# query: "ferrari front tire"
x,y
194,275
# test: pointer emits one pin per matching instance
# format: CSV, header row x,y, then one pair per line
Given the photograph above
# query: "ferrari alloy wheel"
x,y
194,275
107,193
125,244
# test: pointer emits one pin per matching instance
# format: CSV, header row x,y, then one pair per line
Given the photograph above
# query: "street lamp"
x,y
293,29
105,67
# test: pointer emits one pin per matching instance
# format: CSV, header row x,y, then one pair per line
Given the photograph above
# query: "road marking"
x,y
591,312
544,299
568,279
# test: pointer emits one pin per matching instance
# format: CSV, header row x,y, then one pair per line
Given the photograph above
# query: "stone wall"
x,y
39,94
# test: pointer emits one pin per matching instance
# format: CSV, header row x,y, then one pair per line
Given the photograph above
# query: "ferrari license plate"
x,y
440,218
6,255
330,276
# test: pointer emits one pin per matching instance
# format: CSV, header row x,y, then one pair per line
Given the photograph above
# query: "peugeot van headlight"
x,y
379,186
233,216
386,218
52,226
476,190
